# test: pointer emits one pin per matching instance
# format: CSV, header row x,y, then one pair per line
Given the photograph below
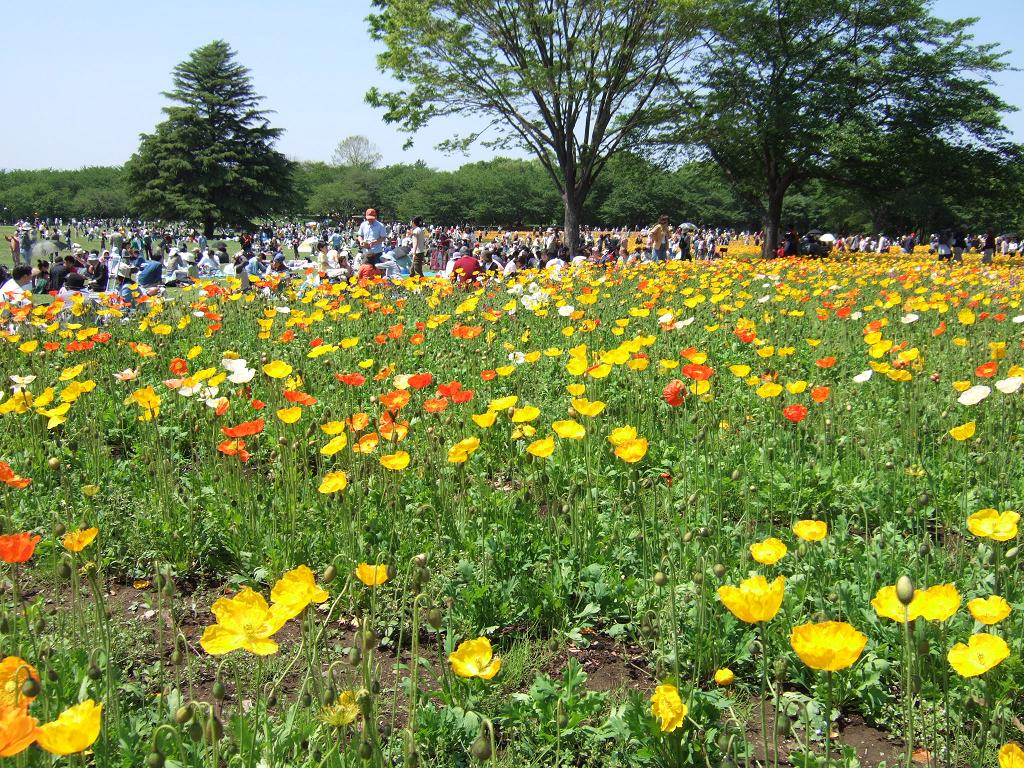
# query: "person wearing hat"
x,y
209,265
96,273
74,285
372,235
124,283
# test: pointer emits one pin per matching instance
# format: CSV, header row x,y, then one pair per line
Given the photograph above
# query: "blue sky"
x,y
85,78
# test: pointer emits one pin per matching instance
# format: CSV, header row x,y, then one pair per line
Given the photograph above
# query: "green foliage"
x,y
212,160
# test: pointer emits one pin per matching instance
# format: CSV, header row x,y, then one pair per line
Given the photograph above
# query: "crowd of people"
x,y
135,258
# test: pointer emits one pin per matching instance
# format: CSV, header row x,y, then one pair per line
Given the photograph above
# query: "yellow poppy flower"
x,y
14,673
541,448
372,575
277,369
485,420
739,371
755,600
964,431
589,408
503,403
725,676
631,451
991,524
989,610
668,707
569,429
769,551
810,530
769,389
296,589
829,646
336,444
462,450
1011,756
575,389
525,414
244,621
938,603
622,435
396,461
981,653
74,731
333,482
289,415
76,541
475,658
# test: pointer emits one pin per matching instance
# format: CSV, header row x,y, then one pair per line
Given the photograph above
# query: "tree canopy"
x,y
852,91
573,82
356,152
213,159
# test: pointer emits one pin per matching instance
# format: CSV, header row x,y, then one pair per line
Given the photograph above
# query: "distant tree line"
x,y
509,192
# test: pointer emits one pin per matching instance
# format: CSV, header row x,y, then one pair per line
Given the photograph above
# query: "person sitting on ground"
x,y
59,273
96,273
466,267
150,273
209,265
74,286
369,270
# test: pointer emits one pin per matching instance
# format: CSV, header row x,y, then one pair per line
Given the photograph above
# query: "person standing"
x,y
372,235
658,239
989,248
418,239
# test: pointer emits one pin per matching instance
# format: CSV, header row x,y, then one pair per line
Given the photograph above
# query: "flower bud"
x,y
183,714
660,579
434,618
905,590
155,759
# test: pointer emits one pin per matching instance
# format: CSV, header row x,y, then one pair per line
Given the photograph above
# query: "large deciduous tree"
x,y
356,152
213,159
785,89
571,81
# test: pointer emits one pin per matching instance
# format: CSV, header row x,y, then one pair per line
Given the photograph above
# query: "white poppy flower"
x,y
23,380
910,318
974,395
566,310
242,375
1010,385
860,378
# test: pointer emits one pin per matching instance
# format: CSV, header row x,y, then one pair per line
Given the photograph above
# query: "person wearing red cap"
x,y
371,237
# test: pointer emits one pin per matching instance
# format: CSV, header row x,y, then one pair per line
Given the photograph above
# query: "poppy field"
x,y
679,514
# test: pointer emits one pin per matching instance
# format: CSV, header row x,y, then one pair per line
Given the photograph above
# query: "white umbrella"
x,y
308,245
826,238
688,226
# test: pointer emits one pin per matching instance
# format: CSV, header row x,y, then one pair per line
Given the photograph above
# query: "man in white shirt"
x,y
418,245
13,291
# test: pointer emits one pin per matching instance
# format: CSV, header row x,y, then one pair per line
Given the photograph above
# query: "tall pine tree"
x,y
212,161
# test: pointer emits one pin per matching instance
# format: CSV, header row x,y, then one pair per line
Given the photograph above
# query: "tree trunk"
x,y
773,221
208,227
573,206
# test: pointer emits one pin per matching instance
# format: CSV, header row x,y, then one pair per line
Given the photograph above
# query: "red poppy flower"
x,y
745,335
987,370
294,396
462,396
421,380
675,393
51,346
697,372
820,394
825,362
245,429
449,389
940,329
795,413
317,342
101,338
667,477
18,547
843,312
258,405
352,379
223,407
178,366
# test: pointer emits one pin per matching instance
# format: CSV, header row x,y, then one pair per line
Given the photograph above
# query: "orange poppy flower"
x,y
396,331
416,339
18,547
178,366
357,422
987,370
352,379
258,405
820,394
436,405
11,478
825,362
396,399
294,396
367,443
245,429
234,448
489,375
